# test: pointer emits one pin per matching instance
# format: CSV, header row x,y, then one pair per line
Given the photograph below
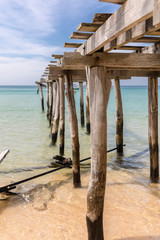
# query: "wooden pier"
x,y
136,22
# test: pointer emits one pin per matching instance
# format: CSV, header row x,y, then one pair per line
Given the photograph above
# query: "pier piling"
x,y
81,103
99,91
62,115
87,103
119,116
55,123
153,127
74,130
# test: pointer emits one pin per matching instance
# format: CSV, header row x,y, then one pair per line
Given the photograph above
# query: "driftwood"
x,y
3,155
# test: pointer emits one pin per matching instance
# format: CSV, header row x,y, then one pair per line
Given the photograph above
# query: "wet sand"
x,y
54,210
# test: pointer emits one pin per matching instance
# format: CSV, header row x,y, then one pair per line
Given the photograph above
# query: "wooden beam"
x,y
88,27
156,15
72,45
80,35
40,83
127,74
122,60
100,18
131,35
114,1
56,71
125,18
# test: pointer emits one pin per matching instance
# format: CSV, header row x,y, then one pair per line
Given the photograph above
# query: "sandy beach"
x,y
54,210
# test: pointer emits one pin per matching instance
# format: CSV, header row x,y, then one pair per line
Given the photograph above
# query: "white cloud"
x,y
29,29
21,71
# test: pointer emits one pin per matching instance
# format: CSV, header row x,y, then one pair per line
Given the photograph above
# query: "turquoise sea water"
x,y
25,131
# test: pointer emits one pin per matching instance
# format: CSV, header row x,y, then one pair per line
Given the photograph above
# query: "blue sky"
x,y
33,30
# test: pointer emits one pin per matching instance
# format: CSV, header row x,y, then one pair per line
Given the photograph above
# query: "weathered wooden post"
x,y
99,91
74,130
87,103
55,122
50,101
41,96
119,116
153,127
81,103
54,100
47,102
62,115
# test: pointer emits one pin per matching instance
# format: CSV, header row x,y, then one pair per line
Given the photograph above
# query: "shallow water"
x,y
48,207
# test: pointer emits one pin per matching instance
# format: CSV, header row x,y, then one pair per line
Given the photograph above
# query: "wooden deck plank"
x,y
57,56
53,61
100,18
114,1
72,45
126,17
80,35
88,27
130,48
147,40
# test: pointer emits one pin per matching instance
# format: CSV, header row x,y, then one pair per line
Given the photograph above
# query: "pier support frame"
x,y
74,130
81,103
99,91
62,115
119,116
55,123
153,127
